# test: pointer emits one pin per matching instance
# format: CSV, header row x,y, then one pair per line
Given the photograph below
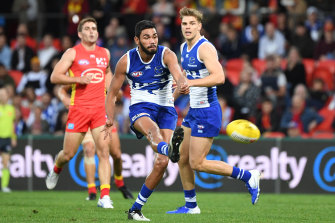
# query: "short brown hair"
x,y
85,20
191,12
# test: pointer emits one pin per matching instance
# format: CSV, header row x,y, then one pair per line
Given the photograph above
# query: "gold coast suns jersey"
x,y
93,63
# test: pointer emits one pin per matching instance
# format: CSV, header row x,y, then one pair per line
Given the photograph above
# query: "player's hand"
x,y
85,79
184,88
66,102
108,129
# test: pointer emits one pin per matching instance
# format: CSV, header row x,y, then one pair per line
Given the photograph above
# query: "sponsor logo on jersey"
x,y
101,62
201,128
97,75
92,56
139,115
191,62
137,74
83,62
70,126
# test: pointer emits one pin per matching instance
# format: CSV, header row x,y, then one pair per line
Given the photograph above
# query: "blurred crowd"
x,y
278,56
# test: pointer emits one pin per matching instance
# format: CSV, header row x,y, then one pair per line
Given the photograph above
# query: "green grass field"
x,y
56,206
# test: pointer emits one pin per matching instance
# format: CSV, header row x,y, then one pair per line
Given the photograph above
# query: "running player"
x,y
203,122
87,65
152,113
89,153
7,136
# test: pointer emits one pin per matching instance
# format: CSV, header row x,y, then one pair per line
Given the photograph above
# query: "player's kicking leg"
x,y
253,185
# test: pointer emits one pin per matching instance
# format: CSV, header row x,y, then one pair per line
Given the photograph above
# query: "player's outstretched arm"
x,y
171,61
58,75
115,86
208,55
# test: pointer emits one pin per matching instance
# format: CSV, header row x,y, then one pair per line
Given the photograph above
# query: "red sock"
x,y
104,190
57,169
92,189
118,180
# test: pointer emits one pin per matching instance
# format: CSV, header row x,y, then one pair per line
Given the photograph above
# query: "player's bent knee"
x,y
196,165
161,162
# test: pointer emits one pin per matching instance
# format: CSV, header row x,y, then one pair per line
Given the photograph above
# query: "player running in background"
x,y
152,113
87,65
203,122
89,153
7,136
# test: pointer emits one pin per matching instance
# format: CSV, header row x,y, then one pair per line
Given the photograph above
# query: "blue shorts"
x,y
164,116
204,122
5,145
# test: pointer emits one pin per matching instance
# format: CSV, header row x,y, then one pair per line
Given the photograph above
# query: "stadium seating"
x,y
233,70
16,75
329,64
309,68
325,74
233,76
259,65
328,118
274,135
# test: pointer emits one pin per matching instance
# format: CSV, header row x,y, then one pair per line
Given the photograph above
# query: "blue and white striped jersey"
x,y
200,97
151,81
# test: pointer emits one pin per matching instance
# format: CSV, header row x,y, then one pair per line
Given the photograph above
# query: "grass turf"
x,y
59,206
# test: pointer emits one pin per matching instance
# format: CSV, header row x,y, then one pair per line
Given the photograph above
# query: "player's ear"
x,y
79,35
200,26
137,40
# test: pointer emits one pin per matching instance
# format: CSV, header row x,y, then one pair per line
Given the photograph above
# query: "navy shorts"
x,y
164,116
5,145
204,122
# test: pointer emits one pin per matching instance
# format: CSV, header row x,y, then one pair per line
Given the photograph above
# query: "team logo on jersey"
x,y
147,67
83,62
97,75
92,56
159,71
137,74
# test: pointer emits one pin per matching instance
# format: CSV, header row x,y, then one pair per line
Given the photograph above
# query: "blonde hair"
x,y
191,12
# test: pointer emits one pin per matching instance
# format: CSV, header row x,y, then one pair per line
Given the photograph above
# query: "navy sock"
x,y
190,198
141,198
241,174
163,148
